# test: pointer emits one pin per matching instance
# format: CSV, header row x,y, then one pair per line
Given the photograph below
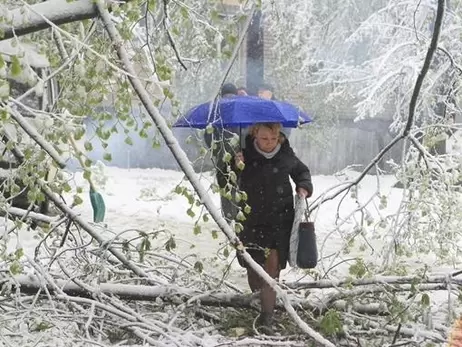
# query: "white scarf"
x,y
267,155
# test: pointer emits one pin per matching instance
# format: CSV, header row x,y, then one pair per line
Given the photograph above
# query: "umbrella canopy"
x,y
242,111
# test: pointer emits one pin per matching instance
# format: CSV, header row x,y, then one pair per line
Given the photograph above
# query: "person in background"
x,y
269,162
241,91
219,141
266,91
228,90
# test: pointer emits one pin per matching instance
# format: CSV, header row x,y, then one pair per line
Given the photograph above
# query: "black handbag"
x,y
307,251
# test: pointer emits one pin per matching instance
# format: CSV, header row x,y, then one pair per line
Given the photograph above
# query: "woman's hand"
x,y
239,160
303,193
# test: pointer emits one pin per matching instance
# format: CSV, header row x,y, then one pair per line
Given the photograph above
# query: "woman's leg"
x,y
254,280
268,295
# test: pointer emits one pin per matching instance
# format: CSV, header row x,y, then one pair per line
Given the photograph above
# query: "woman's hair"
x,y
274,127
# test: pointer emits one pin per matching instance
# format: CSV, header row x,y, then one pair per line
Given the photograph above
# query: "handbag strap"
x,y
307,210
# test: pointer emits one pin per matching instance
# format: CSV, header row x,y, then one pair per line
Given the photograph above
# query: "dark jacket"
x,y
267,184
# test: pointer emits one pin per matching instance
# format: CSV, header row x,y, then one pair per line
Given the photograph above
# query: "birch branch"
x,y
19,212
188,169
34,135
57,11
175,294
435,278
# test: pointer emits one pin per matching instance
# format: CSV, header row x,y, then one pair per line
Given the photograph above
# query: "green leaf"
x,y
226,252
19,253
214,234
88,146
66,187
233,177
190,213
197,229
425,301
2,62
107,156
198,266
227,157
15,268
16,68
358,269
87,174
240,216
184,12
129,141
209,129
77,200
205,217
170,244
331,323
79,133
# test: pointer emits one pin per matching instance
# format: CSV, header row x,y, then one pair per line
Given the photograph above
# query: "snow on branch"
x,y
22,21
35,135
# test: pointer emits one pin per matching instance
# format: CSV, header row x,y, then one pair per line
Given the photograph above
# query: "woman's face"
x,y
265,94
267,139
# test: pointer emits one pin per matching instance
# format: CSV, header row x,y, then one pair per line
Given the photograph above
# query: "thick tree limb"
x,y
172,293
431,278
193,177
57,11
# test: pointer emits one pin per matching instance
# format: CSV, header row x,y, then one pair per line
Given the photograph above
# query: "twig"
x,y
169,35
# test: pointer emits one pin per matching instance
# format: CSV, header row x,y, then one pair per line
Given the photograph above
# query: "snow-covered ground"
x,y
143,200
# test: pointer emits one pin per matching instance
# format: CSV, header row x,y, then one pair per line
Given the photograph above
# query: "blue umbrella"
x,y
242,111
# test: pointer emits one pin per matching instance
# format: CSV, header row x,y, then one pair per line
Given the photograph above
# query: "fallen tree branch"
x,y
192,176
38,217
435,278
176,294
408,331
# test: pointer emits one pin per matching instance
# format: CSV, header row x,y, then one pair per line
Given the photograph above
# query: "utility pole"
x,y
255,54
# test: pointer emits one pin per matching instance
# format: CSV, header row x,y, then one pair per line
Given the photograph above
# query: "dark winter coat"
x,y
271,198
268,187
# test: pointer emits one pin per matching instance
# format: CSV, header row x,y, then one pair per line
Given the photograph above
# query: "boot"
x,y
264,323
